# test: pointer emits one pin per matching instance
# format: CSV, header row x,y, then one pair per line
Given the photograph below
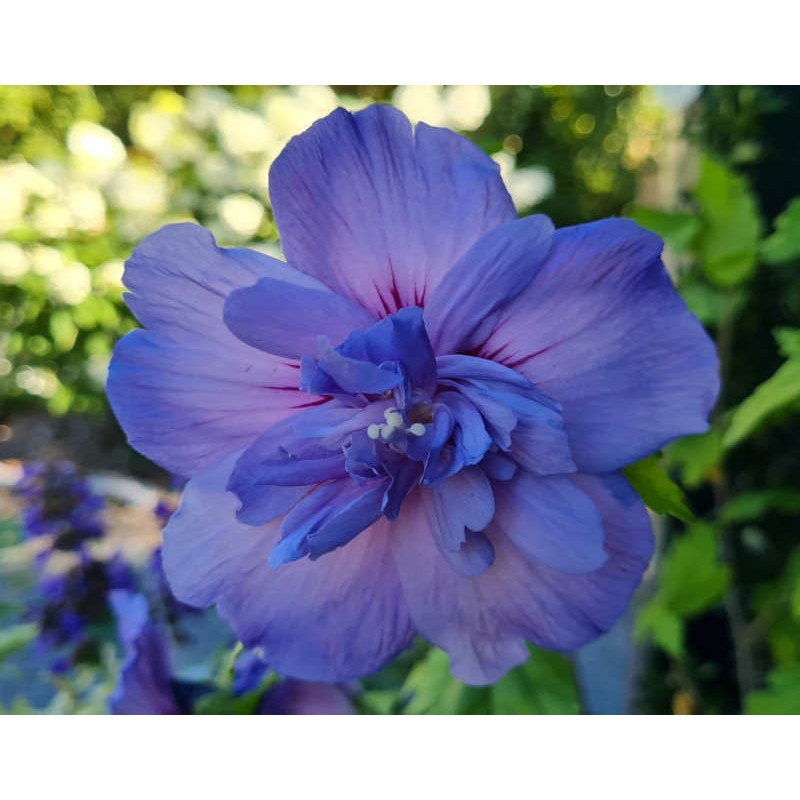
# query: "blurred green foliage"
x,y
741,558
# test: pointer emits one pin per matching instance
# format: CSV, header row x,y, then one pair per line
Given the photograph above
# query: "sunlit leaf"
x,y
378,701
664,625
692,578
677,229
788,340
704,301
778,394
656,489
544,684
728,244
784,244
782,695
434,690
695,456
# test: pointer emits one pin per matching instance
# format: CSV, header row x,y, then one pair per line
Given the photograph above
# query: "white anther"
x,y
394,419
417,429
374,431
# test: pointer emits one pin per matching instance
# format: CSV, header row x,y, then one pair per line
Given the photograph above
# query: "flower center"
x,y
395,417
395,423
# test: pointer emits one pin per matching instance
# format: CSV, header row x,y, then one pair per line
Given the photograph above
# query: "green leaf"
x,y
692,577
544,684
15,638
656,489
696,456
378,701
784,245
752,505
664,625
782,695
434,690
691,580
788,340
728,244
677,229
776,395
705,302
226,703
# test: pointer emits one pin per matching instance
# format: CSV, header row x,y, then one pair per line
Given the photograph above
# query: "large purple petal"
x,y
551,521
601,330
484,622
187,391
492,272
381,213
329,620
285,319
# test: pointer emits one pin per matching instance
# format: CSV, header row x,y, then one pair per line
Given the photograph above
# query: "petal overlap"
x,y
601,330
484,621
379,212
186,390
326,620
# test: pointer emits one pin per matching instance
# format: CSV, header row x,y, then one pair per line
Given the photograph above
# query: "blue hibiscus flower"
x,y
417,424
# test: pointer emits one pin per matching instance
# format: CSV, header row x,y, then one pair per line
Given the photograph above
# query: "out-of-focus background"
x,y
87,172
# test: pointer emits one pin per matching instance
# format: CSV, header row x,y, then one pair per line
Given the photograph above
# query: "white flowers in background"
x,y
466,106
204,104
96,369
291,111
68,282
45,260
141,191
528,186
71,284
108,276
162,127
462,107
52,219
241,214
217,172
97,153
13,262
19,182
140,188
86,206
37,380
242,132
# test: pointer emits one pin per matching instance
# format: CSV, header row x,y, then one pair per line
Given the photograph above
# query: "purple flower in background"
x,y
72,606
417,424
59,503
147,684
